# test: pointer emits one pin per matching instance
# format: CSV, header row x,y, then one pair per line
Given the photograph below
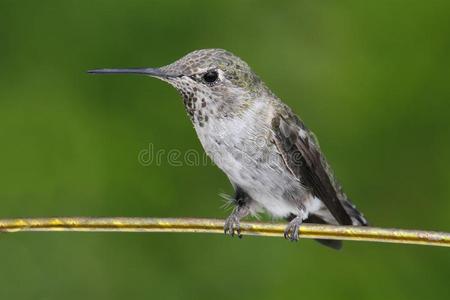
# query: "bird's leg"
x,y
292,229
232,223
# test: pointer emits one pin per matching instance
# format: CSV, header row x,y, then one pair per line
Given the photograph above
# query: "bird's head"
x,y
207,77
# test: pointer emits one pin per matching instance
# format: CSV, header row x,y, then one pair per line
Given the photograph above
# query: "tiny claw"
x,y
238,230
291,231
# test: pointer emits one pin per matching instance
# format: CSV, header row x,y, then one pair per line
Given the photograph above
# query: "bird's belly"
x,y
266,183
252,162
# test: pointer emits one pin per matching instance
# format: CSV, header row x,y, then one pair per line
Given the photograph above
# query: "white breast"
x,y
242,147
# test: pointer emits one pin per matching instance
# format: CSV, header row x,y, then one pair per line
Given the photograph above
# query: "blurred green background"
x,y
370,78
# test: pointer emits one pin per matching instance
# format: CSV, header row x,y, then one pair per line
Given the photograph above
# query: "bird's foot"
x,y
292,229
232,226
232,223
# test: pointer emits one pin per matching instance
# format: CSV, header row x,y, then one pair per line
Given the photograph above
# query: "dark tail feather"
x,y
334,244
356,216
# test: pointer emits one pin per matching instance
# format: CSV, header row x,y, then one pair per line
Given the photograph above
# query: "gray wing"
x,y
303,158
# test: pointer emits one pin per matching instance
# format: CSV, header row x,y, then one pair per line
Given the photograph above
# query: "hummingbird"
x,y
272,160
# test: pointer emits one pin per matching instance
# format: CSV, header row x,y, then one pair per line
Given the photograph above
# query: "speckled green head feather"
x,y
234,69
213,82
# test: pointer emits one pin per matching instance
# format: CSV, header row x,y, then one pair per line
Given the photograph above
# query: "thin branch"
x,y
353,233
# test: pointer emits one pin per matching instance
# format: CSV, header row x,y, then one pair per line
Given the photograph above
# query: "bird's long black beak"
x,y
145,71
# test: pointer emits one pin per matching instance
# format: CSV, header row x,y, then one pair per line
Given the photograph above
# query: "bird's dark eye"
x,y
210,76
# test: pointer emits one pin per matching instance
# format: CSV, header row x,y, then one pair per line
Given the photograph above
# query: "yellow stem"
x,y
353,233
